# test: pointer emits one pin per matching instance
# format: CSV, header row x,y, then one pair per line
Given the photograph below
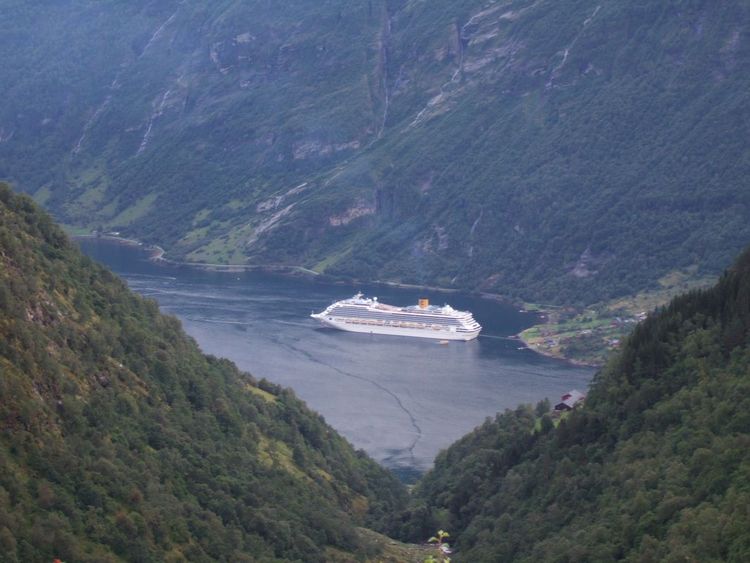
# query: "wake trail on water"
x,y
144,282
216,321
498,337
307,355
384,389
150,277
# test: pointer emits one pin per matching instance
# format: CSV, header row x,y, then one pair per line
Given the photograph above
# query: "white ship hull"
x,y
360,314
441,334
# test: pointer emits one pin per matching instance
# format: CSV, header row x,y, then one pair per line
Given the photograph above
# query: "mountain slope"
x,y
552,150
120,440
654,467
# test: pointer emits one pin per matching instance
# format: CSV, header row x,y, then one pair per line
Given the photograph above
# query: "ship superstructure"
x,y
361,314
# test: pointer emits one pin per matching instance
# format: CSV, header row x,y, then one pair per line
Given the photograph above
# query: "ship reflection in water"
x,y
400,399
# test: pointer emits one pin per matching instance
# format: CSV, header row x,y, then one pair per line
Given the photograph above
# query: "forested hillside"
x,y
654,467
556,150
119,440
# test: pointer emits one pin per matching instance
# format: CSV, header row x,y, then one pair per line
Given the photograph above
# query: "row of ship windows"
x,y
396,317
395,324
424,314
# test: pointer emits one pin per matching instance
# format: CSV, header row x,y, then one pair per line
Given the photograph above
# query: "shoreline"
x,y
158,255
550,354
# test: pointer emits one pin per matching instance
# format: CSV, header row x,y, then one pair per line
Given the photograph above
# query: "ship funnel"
x,y
424,303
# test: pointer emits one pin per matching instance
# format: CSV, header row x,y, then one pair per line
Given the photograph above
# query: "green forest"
x,y
654,467
119,440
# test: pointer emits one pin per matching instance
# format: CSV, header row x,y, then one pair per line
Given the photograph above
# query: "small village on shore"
x,y
587,336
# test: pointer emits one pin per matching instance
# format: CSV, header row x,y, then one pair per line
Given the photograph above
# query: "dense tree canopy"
x,y
120,440
654,467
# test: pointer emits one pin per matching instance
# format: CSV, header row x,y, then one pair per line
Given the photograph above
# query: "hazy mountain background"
x,y
557,150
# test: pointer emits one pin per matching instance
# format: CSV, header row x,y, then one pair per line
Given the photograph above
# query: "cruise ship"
x,y
361,314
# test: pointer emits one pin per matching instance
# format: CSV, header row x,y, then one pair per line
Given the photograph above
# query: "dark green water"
x,y
400,399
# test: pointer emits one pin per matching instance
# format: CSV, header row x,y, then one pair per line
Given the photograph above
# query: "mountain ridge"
x,y
562,152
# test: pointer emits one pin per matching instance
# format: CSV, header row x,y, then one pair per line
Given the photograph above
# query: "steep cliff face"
x,y
119,440
551,150
186,115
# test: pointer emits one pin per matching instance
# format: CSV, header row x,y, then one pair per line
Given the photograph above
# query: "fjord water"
x,y
400,399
